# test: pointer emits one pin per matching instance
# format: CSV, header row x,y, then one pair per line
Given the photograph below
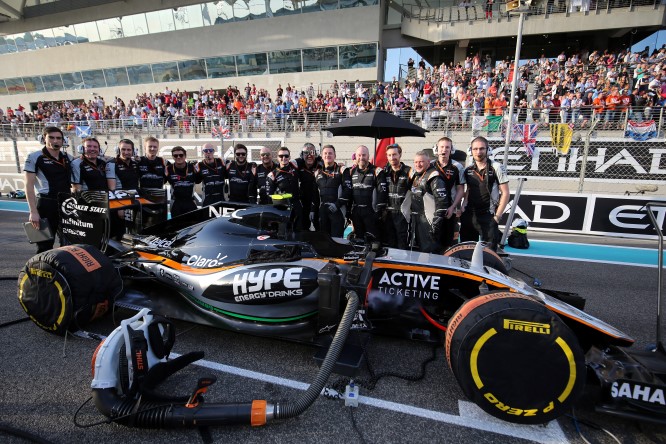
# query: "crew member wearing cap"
x,y
263,170
308,164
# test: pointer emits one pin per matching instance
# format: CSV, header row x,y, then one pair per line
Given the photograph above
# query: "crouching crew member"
x,y
399,179
334,187
89,171
427,223
284,180
369,195
211,174
242,177
48,172
181,177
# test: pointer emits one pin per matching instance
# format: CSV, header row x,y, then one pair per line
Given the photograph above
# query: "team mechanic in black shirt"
x,y
308,164
334,187
369,195
263,170
242,177
427,180
182,178
89,171
451,175
211,173
122,173
47,173
486,196
284,180
152,176
399,179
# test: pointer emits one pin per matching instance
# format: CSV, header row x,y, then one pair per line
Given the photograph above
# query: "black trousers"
x,y
479,224
117,224
183,206
396,230
365,220
308,207
48,209
446,233
423,235
331,222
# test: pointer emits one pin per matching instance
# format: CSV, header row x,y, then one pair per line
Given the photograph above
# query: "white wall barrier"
x,y
611,215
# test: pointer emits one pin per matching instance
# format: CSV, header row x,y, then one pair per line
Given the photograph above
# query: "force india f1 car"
x,y
523,355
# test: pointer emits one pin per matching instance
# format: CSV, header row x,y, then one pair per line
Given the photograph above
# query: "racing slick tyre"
x,y
515,358
465,250
66,288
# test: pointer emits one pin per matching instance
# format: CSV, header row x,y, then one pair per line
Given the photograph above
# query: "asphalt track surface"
x,y
44,380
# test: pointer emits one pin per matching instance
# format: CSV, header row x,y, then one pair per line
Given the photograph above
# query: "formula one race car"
x,y
523,355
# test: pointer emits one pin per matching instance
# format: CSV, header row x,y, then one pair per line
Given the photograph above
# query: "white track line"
x,y
470,415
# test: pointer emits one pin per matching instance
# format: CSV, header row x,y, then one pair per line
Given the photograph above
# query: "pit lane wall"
x,y
598,214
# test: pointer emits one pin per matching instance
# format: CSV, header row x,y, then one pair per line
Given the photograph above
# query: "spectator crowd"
x,y
611,86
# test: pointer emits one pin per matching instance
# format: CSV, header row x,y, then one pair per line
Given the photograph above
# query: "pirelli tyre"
x,y
515,358
465,250
66,288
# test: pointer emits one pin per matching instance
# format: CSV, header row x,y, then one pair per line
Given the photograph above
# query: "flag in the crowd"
x,y
527,133
494,123
560,136
478,122
641,130
487,123
83,131
222,131
380,151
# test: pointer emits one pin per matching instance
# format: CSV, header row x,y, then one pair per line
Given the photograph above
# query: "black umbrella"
x,y
377,124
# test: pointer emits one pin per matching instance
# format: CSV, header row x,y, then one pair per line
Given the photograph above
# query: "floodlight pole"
x,y
514,87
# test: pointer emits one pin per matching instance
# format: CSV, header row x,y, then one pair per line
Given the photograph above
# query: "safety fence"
x,y
440,120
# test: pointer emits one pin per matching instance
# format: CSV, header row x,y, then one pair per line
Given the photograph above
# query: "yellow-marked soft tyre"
x,y
66,288
515,358
465,250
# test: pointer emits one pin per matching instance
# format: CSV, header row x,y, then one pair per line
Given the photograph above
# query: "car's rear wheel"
x,y
465,250
515,358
